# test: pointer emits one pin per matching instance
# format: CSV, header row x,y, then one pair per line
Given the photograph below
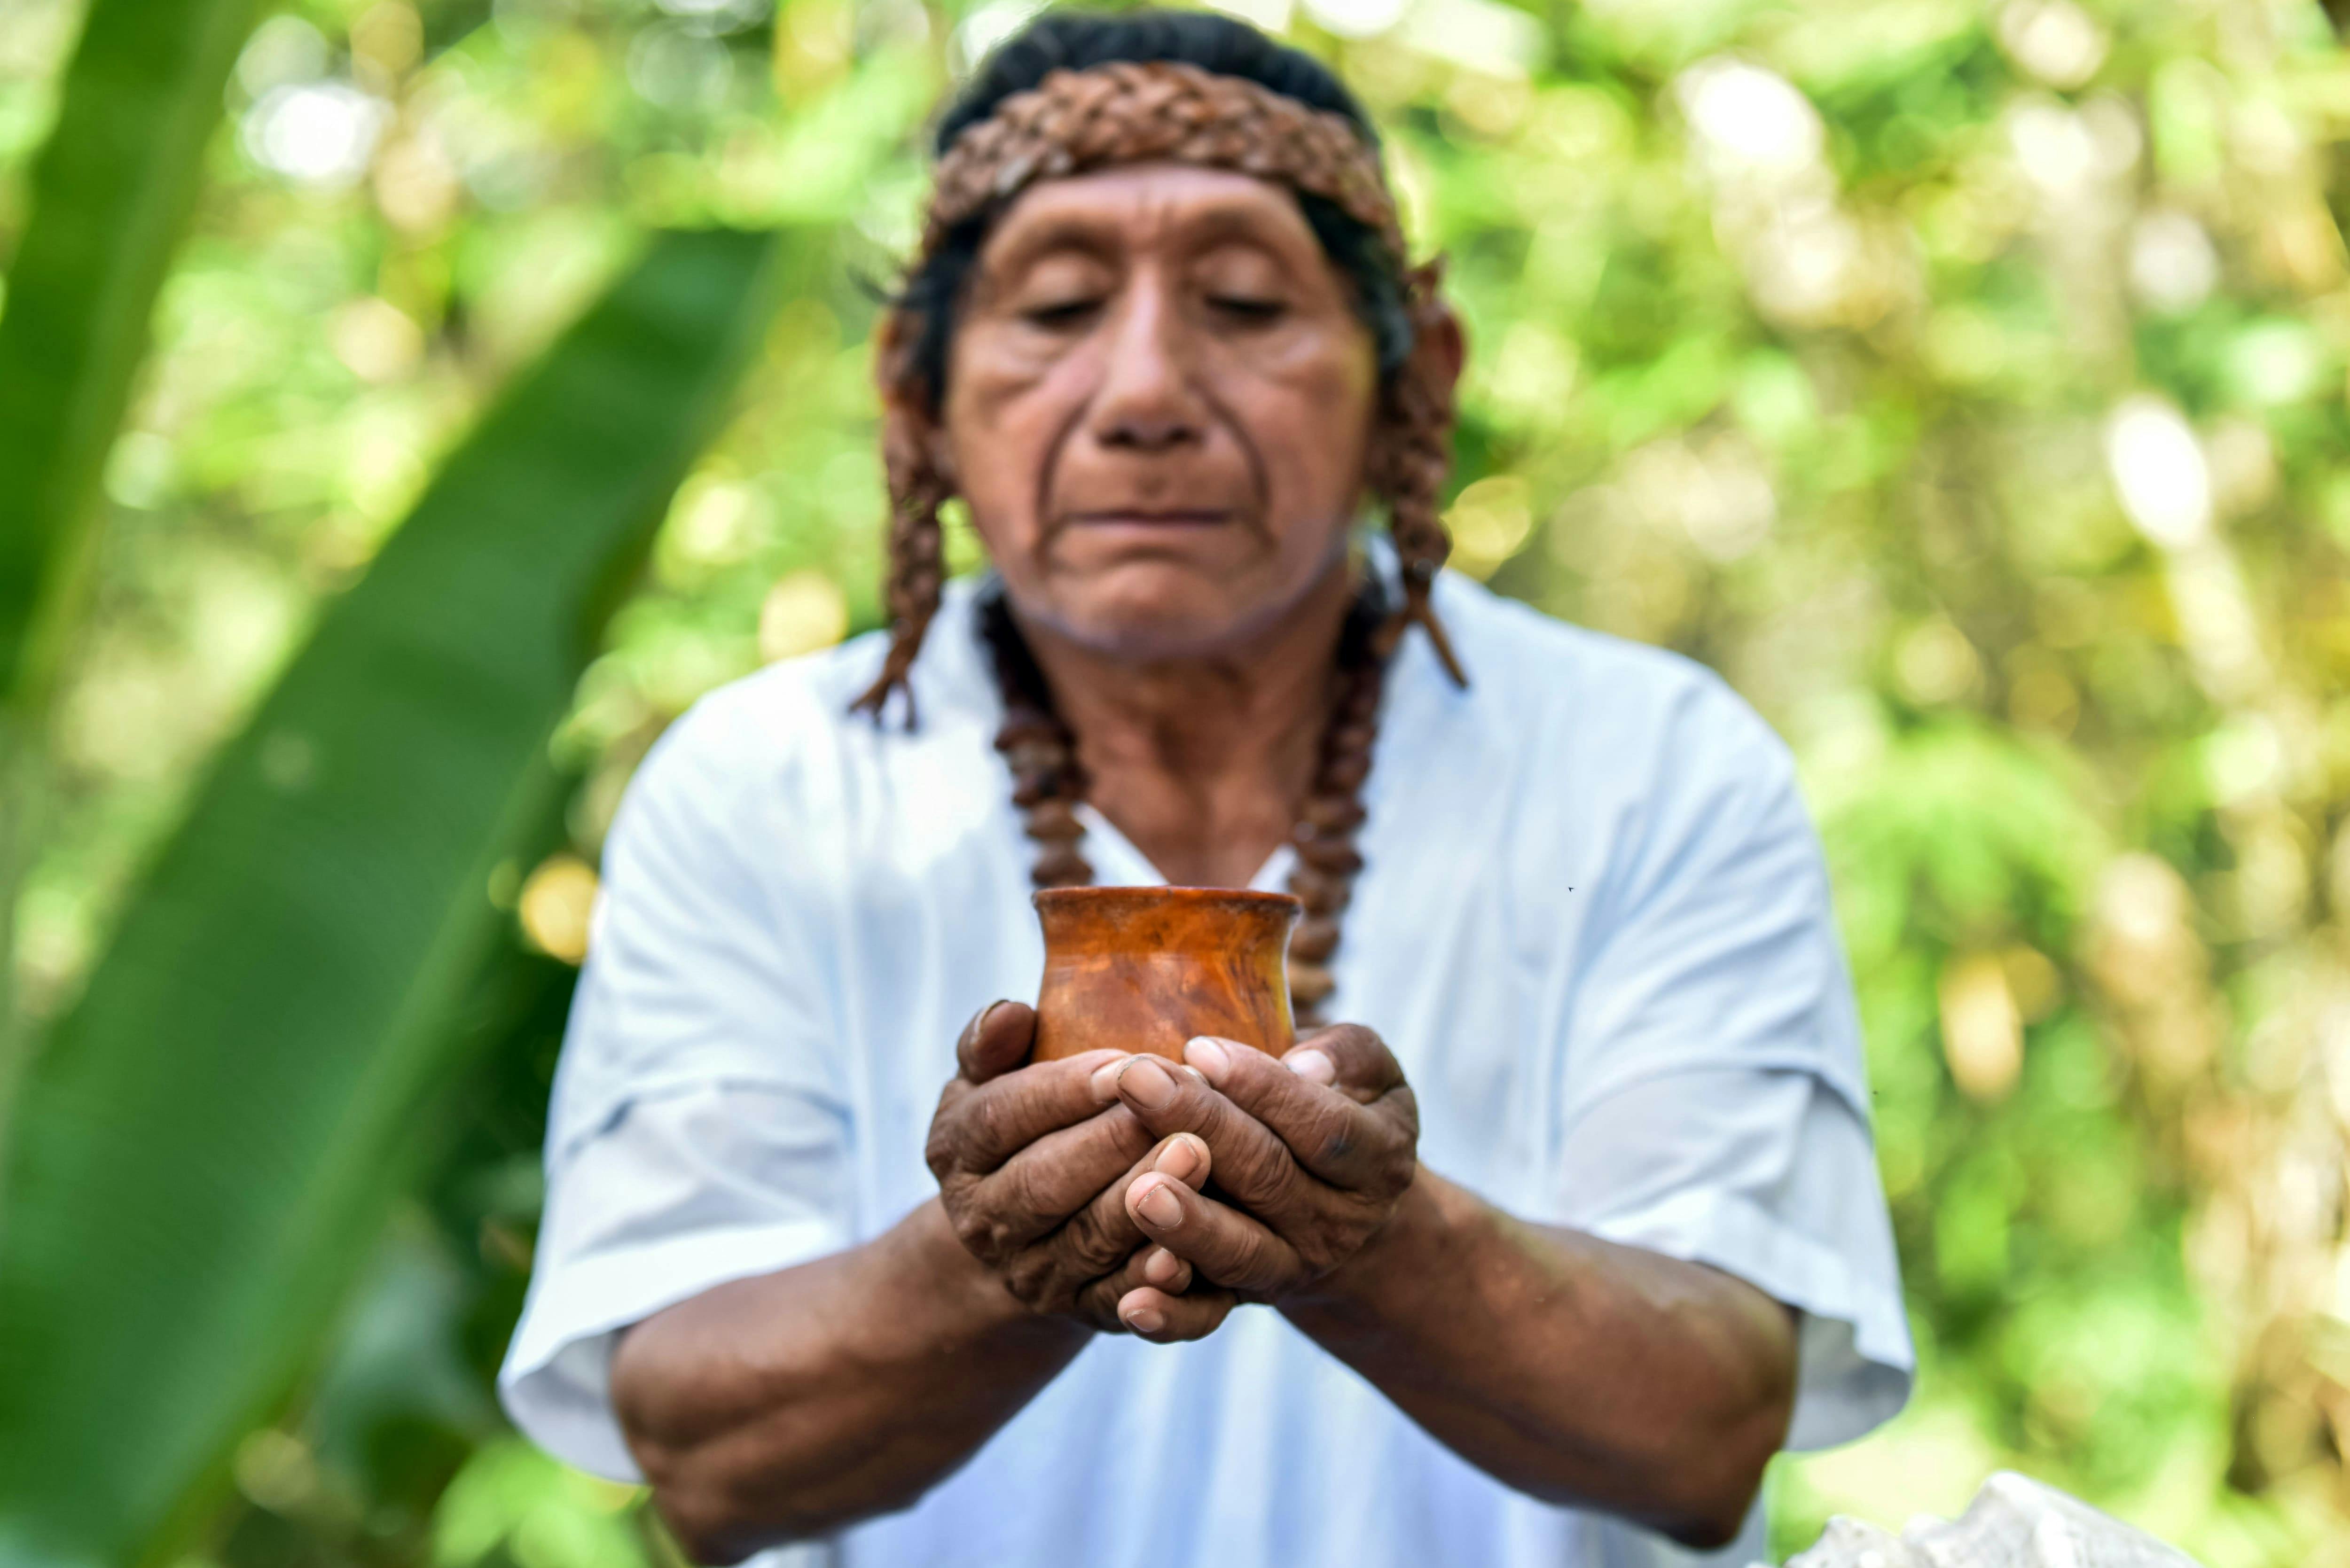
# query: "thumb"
x,y
997,1040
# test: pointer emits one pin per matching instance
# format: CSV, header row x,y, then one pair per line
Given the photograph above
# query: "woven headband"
x,y
1135,112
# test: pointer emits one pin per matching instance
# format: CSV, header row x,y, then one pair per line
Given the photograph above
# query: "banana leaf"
x,y
110,192
202,1154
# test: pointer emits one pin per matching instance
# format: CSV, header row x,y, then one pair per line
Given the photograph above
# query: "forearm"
x,y
1571,1368
786,1405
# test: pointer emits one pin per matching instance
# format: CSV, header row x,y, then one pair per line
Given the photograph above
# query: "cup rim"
x,y
1166,893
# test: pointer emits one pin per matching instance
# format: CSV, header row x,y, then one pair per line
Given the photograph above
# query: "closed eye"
x,y
1247,307
1062,312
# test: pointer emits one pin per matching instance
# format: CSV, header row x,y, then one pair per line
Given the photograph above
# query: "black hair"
x,y
1077,40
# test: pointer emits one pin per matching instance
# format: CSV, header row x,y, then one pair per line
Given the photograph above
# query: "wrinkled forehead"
x,y
1157,206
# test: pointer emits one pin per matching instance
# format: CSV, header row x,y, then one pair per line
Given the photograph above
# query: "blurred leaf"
x,y
111,193
206,1149
511,1494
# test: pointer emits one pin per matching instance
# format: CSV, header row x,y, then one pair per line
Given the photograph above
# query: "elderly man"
x,y
1536,1260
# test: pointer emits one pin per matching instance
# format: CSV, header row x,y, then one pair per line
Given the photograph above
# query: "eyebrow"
x,y
1093,234
1081,231
1226,223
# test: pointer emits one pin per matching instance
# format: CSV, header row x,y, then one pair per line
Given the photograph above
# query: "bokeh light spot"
x,y
802,613
557,906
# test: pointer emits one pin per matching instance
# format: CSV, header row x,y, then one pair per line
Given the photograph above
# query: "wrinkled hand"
x,y
1034,1162
1312,1153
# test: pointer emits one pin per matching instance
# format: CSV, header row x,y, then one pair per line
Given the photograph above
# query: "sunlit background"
x,y
1965,381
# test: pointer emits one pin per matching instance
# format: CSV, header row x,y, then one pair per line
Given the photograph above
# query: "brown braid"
x,y
917,546
1412,455
1127,112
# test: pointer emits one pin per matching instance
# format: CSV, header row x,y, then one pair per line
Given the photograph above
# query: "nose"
x,y
1148,401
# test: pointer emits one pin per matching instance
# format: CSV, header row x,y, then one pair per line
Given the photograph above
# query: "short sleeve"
x,y
1769,1176
698,1134
1715,1100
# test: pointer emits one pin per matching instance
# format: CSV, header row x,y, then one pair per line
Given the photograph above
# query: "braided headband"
x,y
1169,111
1159,110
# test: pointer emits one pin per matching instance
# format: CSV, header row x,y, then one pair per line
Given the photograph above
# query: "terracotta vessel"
x,y
1145,968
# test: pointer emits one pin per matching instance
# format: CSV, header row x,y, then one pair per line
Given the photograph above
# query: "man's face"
x,y
1157,403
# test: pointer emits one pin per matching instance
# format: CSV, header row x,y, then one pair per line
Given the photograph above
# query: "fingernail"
x,y
1314,1066
1147,1080
978,1025
1159,1205
1178,1159
1144,1319
1208,1054
1105,1079
1161,1266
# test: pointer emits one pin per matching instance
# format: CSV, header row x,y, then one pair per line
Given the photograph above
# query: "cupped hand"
x,y
1034,1161
1311,1152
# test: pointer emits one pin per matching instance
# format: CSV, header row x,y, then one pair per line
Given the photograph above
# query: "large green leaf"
x,y
203,1152
110,193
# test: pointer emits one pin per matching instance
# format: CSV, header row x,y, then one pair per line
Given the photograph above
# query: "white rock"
x,y
2014,1522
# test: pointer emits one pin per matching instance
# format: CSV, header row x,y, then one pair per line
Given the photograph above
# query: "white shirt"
x,y
1594,928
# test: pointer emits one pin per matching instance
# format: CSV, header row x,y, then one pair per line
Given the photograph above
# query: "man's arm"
x,y
783,1407
1573,1369
790,1405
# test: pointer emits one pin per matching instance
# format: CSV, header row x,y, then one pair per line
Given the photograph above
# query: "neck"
x,y
1203,762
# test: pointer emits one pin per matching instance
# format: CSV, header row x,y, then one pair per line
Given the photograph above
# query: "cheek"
x,y
1312,421
1002,418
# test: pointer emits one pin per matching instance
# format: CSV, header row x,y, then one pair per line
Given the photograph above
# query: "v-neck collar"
x,y
1118,863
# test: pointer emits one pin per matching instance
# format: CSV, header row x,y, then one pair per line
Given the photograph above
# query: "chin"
x,y
1150,611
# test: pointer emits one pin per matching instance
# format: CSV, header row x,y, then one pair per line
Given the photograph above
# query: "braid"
x,y
917,547
1411,458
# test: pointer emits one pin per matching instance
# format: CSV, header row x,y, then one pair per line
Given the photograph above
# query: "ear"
x,y
1438,347
942,453
1412,448
1441,346
914,446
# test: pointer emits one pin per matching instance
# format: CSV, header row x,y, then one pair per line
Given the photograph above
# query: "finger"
x,y
1148,1312
1358,1063
1148,1265
1099,1247
1162,1270
1250,1162
996,1041
1224,1246
1056,1180
1102,1236
1345,1143
1154,1268
979,1126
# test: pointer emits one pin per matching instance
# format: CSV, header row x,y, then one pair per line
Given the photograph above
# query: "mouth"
x,y
1136,517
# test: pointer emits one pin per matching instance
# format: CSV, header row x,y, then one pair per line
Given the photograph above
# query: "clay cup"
x,y
1146,969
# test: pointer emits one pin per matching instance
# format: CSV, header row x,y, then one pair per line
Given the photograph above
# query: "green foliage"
x,y
112,192
207,1147
115,186
1964,380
